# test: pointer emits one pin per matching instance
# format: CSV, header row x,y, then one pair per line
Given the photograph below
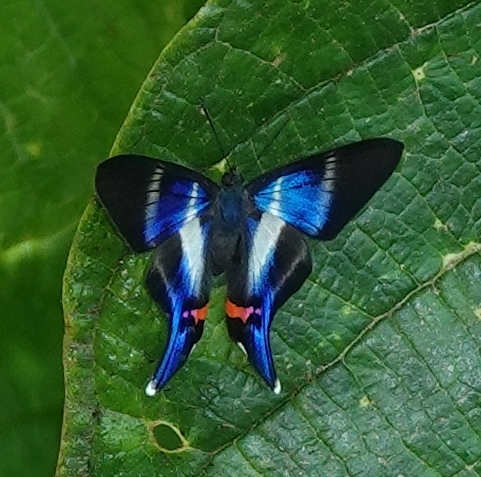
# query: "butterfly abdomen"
x,y
228,218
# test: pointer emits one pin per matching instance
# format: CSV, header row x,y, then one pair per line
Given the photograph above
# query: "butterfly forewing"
x,y
320,194
149,200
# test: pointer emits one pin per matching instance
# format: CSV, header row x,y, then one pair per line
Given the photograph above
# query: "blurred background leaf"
x,y
378,353
69,72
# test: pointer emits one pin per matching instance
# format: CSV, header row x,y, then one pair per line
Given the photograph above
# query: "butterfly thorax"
x,y
230,212
231,206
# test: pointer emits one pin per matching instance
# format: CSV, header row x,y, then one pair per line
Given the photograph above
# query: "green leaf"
x,y
378,352
68,74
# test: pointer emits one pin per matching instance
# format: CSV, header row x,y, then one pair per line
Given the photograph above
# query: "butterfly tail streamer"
x,y
249,327
182,340
260,356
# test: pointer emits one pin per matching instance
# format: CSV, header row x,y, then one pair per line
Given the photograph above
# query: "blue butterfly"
x,y
252,233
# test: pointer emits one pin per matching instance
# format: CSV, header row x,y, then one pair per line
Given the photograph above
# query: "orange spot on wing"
x,y
234,311
200,313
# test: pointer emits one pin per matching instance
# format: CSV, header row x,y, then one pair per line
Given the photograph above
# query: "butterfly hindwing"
x,y
276,264
179,281
150,200
318,195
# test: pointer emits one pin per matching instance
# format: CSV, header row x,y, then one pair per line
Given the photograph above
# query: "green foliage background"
x,y
68,74
378,353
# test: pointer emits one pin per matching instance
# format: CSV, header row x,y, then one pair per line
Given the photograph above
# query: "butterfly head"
x,y
231,179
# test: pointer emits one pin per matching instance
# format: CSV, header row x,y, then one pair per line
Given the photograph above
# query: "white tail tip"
x,y
277,387
151,390
241,346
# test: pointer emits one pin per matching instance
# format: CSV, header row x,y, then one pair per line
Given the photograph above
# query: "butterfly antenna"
x,y
206,113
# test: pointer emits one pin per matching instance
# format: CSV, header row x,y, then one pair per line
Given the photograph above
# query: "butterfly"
x,y
253,234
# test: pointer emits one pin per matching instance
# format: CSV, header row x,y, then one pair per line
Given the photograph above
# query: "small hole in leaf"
x,y
167,438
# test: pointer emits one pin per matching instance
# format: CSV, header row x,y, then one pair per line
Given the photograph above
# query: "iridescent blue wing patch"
x,y
179,281
318,195
150,200
278,262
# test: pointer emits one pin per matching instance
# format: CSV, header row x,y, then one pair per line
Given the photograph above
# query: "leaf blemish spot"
x,y
334,337
278,60
419,74
477,312
221,166
167,437
440,226
34,149
364,402
347,310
